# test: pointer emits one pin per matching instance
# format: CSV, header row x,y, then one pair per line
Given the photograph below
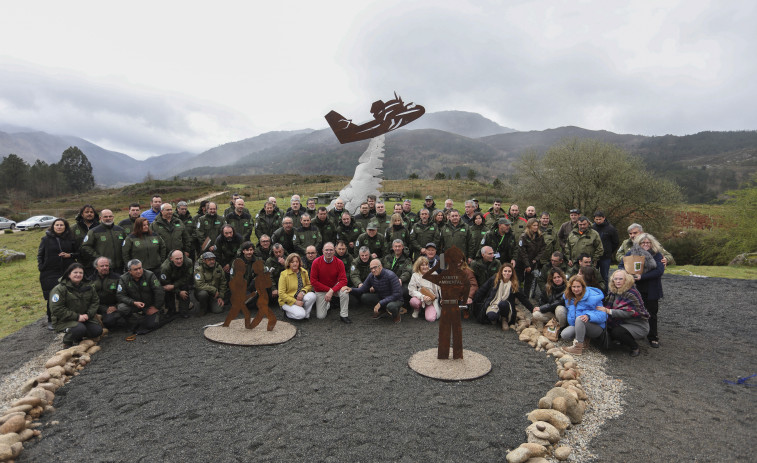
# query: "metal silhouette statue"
x,y
239,295
455,285
388,116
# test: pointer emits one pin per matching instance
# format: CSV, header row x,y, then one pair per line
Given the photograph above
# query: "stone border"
x,y
472,366
18,424
236,334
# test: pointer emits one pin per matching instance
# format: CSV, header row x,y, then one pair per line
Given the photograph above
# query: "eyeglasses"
x,y
375,267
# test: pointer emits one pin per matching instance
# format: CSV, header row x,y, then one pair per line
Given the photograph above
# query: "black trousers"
x,y
90,329
621,334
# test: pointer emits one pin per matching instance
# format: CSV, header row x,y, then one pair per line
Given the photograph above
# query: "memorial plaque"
x,y
454,286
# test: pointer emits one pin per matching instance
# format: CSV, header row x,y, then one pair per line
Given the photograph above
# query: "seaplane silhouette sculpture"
x,y
387,116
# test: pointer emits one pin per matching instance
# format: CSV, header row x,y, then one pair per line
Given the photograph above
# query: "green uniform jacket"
x,y
181,277
483,271
588,242
149,249
422,234
210,279
384,222
128,225
519,224
261,253
266,224
336,216
392,234
304,238
551,243
106,288
505,246
68,301
175,235
491,218
477,235
231,209
359,271
349,234
401,266
376,244
242,224
226,251
147,290
457,236
208,226
285,239
273,266
104,241
530,250
364,220
328,231
410,218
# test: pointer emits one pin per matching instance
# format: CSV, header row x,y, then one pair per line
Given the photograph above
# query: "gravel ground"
x,y
345,393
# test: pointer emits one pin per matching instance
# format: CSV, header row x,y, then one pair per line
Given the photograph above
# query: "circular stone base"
x,y
472,366
238,335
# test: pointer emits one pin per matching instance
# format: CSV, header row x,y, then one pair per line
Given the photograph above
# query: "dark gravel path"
x,y
345,393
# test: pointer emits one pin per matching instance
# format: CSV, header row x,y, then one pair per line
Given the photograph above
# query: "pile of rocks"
x,y
563,406
19,423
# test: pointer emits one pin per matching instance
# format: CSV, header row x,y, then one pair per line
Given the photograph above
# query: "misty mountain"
x,y
467,124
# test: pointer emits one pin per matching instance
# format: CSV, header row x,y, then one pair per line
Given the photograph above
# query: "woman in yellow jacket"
x,y
296,296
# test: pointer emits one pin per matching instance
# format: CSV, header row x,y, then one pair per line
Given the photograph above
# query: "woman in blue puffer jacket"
x,y
584,318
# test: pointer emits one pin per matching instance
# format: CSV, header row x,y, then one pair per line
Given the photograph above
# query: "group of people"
x,y
156,264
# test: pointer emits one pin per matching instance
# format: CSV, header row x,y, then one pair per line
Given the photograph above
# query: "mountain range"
x,y
449,142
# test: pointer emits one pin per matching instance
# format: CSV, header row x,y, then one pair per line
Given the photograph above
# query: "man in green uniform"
x,y
106,239
174,233
177,279
210,285
140,297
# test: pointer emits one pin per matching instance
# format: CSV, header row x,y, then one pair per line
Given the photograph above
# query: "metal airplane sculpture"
x,y
388,116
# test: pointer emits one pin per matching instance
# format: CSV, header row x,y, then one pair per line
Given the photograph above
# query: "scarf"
x,y
503,293
629,301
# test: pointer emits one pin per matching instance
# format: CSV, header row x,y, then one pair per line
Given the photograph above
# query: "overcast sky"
x,y
153,77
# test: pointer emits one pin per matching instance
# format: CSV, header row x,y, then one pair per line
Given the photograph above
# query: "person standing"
x,y
57,251
106,239
610,242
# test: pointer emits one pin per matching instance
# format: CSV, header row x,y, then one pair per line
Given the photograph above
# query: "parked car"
x,y
38,221
7,223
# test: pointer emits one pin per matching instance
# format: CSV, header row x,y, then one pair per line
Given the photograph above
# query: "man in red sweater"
x,y
328,277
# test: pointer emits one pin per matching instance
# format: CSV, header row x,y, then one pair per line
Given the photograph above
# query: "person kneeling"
x,y
423,293
295,292
140,296
74,305
584,317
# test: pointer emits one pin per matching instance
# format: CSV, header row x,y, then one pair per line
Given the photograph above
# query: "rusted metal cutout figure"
x,y
454,285
239,295
238,287
387,116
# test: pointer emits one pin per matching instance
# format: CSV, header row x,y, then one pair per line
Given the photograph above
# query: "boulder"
x,y
55,360
553,417
5,452
93,350
15,424
31,400
562,452
9,255
749,259
526,451
542,433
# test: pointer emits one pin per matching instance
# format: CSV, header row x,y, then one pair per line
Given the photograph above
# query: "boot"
x,y
576,349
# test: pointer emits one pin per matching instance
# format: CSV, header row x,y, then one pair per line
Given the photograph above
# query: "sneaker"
x,y
415,313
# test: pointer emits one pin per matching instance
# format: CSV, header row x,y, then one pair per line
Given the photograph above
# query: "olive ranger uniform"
x,y
106,287
149,249
457,236
491,218
175,234
383,221
210,284
147,290
401,266
227,250
182,278
328,231
275,268
104,240
209,226
67,302
484,270
397,234
364,220
304,237
587,242
551,243
127,224
477,235
349,234
422,234
266,224
505,246
242,224
376,244
285,239
359,271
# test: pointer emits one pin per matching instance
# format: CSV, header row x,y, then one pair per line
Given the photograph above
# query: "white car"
x,y
7,223
38,221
